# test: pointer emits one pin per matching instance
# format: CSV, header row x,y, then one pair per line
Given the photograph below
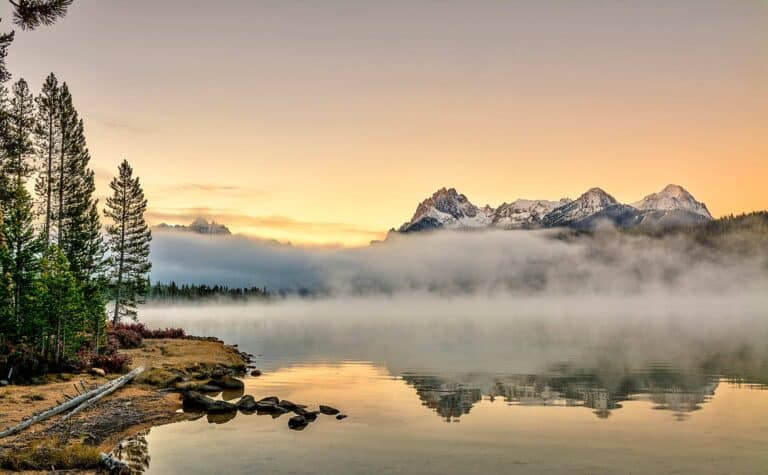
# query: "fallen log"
x,y
90,402
74,402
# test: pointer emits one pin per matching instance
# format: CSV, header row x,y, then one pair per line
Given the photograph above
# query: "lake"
x,y
484,385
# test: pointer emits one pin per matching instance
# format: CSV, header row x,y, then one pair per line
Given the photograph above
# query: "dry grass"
x,y
165,359
184,354
50,453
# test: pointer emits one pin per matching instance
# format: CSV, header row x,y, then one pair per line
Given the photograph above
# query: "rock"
x,y
288,405
272,399
4,383
219,407
97,372
328,410
217,374
247,403
297,422
193,400
308,415
256,372
209,388
341,416
227,382
187,386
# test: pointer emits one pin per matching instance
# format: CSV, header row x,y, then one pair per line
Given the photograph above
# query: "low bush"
x,y
129,335
22,361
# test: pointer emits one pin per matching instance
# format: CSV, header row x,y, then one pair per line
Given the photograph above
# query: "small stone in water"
x,y
297,422
256,372
341,416
328,410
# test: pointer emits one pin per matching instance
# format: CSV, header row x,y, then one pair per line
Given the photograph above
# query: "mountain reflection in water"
x,y
667,390
572,386
395,415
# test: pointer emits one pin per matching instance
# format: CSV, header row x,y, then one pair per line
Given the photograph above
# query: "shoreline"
x,y
153,399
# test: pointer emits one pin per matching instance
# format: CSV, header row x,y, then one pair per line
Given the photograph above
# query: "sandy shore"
x,y
146,402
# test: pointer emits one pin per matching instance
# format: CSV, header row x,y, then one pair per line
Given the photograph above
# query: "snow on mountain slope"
x,y
524,214
591,202
673,198
447,208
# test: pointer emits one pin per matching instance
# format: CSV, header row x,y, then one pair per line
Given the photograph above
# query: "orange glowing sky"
x,y
327,122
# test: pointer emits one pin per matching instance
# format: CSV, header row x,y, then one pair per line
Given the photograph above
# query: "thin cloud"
x,y
232,218
126,127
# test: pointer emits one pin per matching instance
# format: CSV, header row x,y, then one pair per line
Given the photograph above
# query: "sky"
x,y
326,123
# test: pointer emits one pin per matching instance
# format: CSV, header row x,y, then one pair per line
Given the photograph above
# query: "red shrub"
x,y
126,335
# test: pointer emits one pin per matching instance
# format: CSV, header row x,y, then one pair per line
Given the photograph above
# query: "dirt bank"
x,y
76,443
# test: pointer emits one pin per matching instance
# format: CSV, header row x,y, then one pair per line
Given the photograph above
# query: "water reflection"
x,y
452,397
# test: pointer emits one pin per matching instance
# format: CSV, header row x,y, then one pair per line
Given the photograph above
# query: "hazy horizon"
x,y
323,124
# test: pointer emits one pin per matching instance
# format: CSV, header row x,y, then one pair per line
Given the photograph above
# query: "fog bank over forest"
x,y
474,263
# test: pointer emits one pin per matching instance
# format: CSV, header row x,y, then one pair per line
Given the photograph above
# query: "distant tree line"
x,y
186,292
58,266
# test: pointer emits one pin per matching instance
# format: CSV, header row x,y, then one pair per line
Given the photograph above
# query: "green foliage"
x,y
47,146
173,292
58,306
128,239
21,257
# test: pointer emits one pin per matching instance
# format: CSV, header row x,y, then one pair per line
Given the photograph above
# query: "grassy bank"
x,y
146,402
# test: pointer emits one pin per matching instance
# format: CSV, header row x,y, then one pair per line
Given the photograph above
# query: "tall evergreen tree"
x,y
22,252
7,326
128,240
68,122
57,308
20,126
47,142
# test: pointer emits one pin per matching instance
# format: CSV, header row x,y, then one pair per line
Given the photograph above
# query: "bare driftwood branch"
x,y
74,402
90,402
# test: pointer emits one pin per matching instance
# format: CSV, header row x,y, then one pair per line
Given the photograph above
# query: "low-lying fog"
x,y
470,263
514,302
496,334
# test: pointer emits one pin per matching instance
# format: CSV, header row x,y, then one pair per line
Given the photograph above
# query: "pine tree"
x,y
68,122
57,305
22,252
6,303
128,240
46,135
20,125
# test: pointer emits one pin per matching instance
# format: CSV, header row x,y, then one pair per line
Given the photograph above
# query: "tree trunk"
x,y
74,402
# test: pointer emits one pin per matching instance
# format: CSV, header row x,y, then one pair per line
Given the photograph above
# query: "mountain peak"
x,y
673,198
590,202
447,208
200,226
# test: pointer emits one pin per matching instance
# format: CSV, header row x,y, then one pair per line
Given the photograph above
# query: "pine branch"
x,y
30,14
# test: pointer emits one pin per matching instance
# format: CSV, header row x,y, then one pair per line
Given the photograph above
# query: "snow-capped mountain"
x,y
593,201
447,208
199,226
524,214
672,198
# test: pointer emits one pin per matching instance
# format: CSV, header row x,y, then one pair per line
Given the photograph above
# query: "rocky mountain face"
x,y
673,198
449,209
199,226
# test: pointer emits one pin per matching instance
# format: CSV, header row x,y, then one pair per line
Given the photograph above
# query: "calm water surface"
x,y
462,395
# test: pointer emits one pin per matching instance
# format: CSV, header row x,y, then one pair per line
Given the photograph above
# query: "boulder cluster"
x,y
196,401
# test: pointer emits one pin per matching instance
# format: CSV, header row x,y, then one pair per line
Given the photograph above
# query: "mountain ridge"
x,y
449,209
